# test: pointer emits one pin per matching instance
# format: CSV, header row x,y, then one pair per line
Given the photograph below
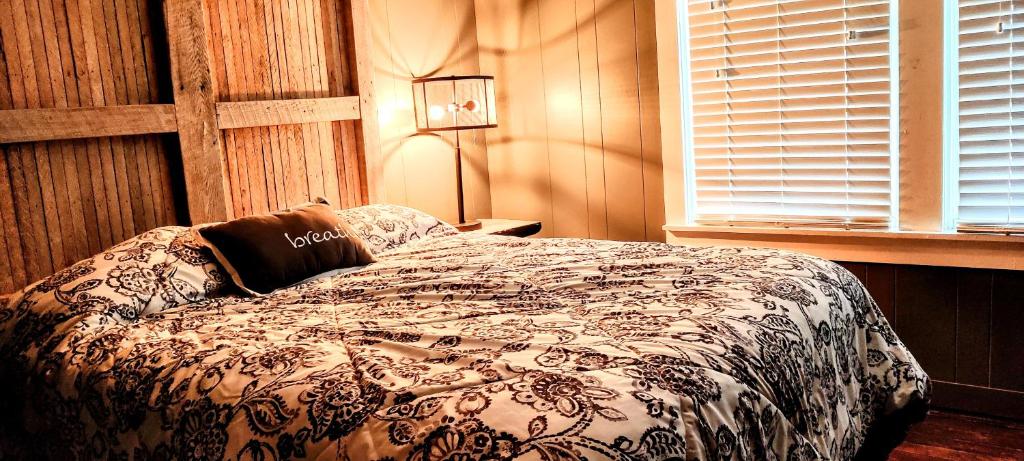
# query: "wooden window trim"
x,y
921,102
982,251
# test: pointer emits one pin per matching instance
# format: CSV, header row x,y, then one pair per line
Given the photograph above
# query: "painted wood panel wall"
x,y
578,145
422,38
962,325
270,50
63,201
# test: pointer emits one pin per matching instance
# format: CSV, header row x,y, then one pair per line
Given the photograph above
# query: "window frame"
x,y
924,235
689,156
951,126
950,115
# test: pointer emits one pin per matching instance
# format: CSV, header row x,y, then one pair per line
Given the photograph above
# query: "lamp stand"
x,y
462,225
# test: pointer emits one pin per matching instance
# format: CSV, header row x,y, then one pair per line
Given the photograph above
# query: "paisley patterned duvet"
x,y
465,347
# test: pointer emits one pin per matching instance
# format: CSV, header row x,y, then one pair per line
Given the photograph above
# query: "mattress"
x,y
463,347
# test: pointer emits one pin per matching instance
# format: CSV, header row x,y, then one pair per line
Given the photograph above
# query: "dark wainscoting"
x,y
965,326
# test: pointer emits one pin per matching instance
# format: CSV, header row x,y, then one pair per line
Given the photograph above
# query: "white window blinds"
x,y
991,115
789,111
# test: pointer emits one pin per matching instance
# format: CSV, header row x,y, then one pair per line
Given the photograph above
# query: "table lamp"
x,y
454,103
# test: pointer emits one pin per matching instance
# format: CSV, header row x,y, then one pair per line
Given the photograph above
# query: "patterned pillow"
x,y
386,227
154,271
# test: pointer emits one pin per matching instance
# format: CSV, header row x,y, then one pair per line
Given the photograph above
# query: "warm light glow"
x,y
437,112
386,113
470,106
453,103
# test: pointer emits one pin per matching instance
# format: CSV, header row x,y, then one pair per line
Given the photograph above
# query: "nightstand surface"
x,y
510,227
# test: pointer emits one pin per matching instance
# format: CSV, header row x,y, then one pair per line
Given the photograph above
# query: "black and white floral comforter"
x,y
458,347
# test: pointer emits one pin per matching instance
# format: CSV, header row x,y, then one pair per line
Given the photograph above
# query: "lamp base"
x,y
467,226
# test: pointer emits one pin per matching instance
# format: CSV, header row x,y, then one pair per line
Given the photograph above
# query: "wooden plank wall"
x,y
270,50
120,116
962,325
579,145
61,201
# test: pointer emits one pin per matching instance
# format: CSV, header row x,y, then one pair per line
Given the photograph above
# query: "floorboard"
x,y
952,436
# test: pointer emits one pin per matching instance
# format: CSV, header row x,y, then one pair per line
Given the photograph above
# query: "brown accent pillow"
x,y
264,253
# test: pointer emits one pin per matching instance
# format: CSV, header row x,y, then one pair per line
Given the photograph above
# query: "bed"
x,y
458,347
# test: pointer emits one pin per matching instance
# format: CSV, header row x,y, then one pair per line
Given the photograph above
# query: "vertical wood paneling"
x,y
251,138
299,44
361,64
858,270
78,95
349,158
289,67
26,215
62,154
620,114
973,326
521,175
194,88
926,317
328,153
284,50
141,26
563,104
880,281
279,140
11,242
582,94
98,50
392,103
963,325
113,71
40,185
62,201
590,104
650,119
89,84
1007,346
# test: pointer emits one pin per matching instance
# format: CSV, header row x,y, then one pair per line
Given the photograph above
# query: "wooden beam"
x,y
286,112
27,125
368,136
206,178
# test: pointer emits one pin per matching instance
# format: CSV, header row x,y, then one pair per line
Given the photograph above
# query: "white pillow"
x,y
386,227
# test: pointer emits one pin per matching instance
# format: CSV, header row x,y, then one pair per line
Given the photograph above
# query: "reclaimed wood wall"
x,y
267,50
578,144
61,201
115,119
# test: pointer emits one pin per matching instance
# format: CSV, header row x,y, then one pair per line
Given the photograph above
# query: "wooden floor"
x,y
950,436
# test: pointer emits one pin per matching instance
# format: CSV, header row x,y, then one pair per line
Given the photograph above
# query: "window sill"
x,y
989,251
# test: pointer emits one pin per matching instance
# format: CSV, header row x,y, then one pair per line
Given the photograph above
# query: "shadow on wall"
x,y
578,144
578,140
423,38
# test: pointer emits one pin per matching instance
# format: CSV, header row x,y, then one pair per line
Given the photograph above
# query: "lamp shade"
x,y
460,102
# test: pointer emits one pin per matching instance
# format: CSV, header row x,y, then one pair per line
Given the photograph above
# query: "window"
x,y
986,100
789,112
